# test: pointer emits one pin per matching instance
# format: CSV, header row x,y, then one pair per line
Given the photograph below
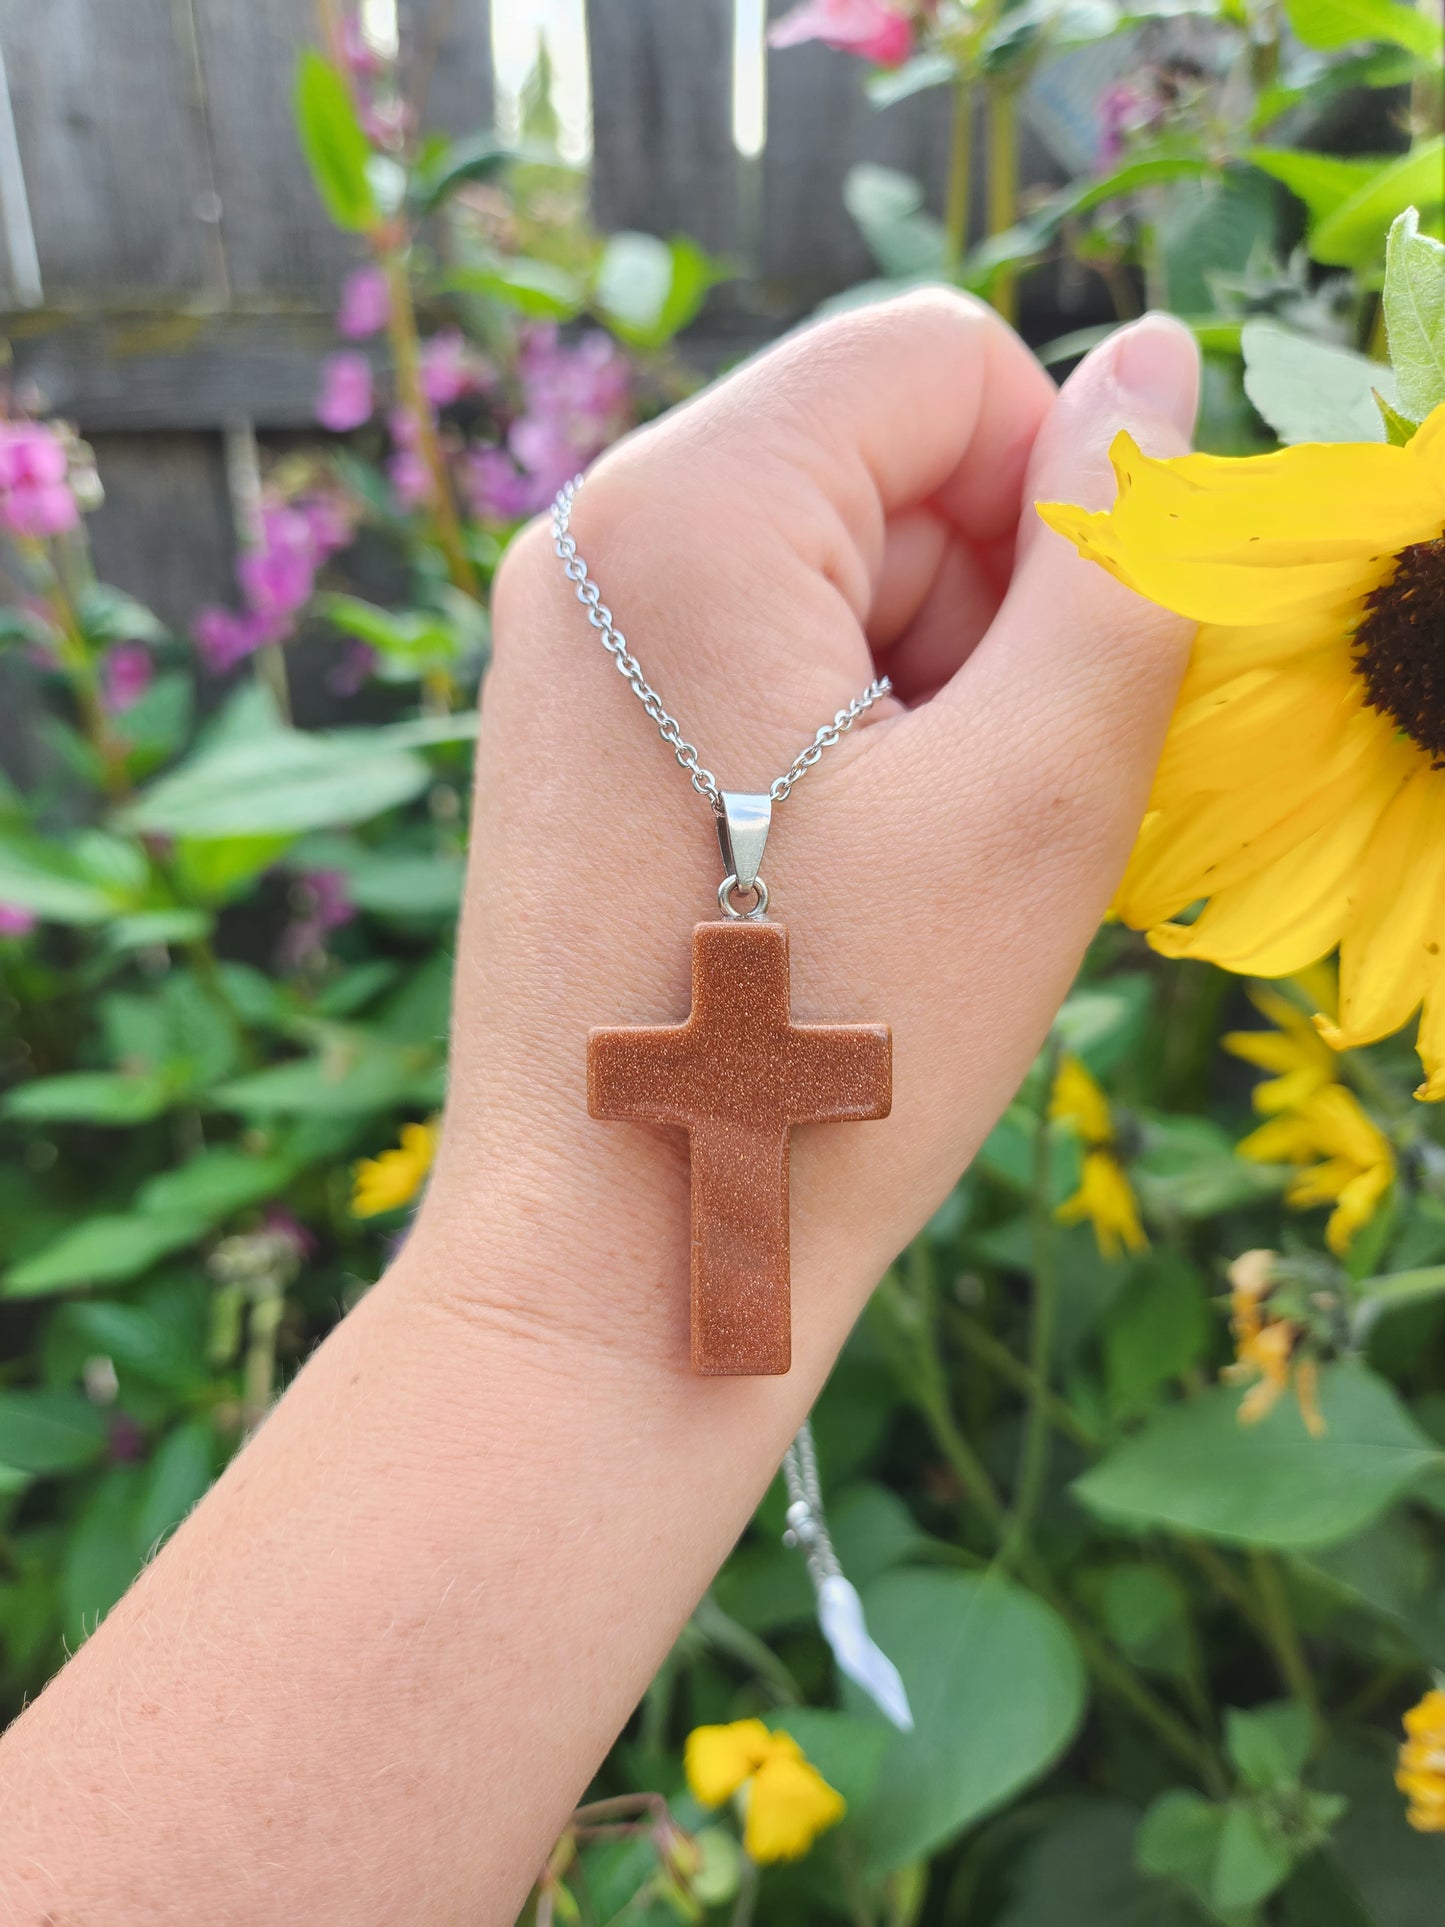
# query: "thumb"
x,y
1077,675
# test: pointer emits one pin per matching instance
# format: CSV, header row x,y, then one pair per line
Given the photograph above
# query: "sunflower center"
x,y
1400,646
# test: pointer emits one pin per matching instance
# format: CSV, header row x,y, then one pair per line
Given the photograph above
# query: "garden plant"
x,y
1137,1460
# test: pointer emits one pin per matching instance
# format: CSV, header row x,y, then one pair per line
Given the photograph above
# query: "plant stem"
x,y
406,354
1034,1456
960,177
1284,1639
982,1343
747,1896
1003,172
930,1392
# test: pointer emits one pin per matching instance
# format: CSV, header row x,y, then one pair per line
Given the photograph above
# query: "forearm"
x,y
374,1671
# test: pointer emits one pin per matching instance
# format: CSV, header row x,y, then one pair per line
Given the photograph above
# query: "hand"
x,y
858,500
372,1673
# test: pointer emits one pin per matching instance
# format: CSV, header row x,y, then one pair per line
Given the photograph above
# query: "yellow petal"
x,y
1078,1100
789,1805
1396,923
1430,1043
1231,541
718,1759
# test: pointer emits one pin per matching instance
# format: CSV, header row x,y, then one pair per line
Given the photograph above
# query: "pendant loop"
x,y
725,902
742,832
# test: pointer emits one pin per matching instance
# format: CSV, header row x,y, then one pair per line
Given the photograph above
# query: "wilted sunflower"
x,y
1301,795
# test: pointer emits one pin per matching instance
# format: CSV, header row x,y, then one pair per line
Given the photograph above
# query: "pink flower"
x,y
15,922
35,499
357,52
871,29
345,400
449,369
225,638
496,488
386,120
365,306
330,520
1124,111
125,676
278,574
326,905
584,384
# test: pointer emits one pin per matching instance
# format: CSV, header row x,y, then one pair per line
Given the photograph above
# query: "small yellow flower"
x,y
387,1182
788,1803
1420,1775
1104,1197
1301,794
1301,1061
1267,1349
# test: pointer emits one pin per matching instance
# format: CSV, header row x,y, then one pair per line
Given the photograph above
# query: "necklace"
x,y
739,1073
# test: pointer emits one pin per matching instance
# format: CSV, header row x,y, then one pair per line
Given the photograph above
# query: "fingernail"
x,y
1156,366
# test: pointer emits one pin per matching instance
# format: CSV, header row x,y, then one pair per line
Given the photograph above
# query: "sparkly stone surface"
x,y
736,1077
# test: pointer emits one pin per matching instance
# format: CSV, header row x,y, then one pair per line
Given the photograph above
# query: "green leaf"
x,y
220,868
1353,235
422,885
1312,391
54,881
1189,1169
997,1689
106,614
476,157
139,1339
647,290
885,86
1155,1330
537,289
1399,429
1196,1469
146,928
1145,1611
888,208
1220,1853
177,1477
101,1554
1415,314
214,1185
45,1431
1332,24
1079,1872
91,1097
336,148
356,1075
1321,181
287,782
1268,1745
99,1251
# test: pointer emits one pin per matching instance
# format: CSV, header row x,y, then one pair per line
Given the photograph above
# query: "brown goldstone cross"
x,y
736,1077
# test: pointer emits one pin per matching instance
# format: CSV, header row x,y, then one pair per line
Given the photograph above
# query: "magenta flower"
x,y
870,29
225,638
1124,111
16,922
125,675
357,52
278,574
365,305
449,369
497,490
35,499
345,400
325,905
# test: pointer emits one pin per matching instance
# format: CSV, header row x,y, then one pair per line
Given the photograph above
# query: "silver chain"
x,y
670,730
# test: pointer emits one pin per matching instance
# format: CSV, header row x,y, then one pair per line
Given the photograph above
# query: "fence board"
x,y
280,248
164,532
108,119
663,157
451,42
820,123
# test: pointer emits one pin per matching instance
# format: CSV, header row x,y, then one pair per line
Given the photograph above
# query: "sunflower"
x,y
1420,1775
392,1179
1104,1197
1312,1121
1269,1350
1301,794
787,1801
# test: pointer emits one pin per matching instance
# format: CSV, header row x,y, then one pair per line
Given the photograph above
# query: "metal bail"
x,y
742,834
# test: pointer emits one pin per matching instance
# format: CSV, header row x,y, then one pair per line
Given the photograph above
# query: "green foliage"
x,y
1414,301
336,149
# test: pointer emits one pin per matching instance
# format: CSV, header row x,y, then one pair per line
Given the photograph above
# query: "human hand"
x,y
859,499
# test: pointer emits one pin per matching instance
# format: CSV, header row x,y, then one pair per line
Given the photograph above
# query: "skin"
x,y
373,1672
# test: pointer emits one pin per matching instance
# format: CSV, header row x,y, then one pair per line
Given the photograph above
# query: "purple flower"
x,y
1125,110
325,905
496,488
583,386
278,574
345,400
365,306
225,638
330,520
127,1441
15,921
35,499
125,676
449,369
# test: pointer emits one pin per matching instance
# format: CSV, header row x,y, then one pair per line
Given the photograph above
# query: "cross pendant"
x,y
736,1077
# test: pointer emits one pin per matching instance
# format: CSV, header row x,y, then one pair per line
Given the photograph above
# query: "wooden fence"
x,y
169,277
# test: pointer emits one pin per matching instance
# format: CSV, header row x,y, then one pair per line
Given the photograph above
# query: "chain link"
x,y
670,730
